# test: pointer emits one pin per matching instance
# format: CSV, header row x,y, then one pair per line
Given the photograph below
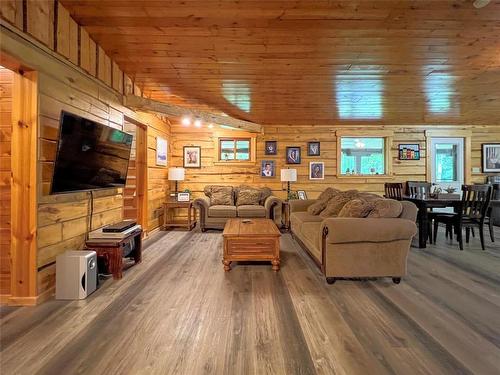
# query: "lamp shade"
x,y
288,175
176,174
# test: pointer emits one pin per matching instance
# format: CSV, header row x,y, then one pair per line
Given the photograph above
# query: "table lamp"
x,y
288,175
176,174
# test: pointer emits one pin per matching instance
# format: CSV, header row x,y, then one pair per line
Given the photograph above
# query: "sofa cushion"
x,y
336,203
220,195
356,208
222,211
369,197
251,211
322,201
312,233
305,217
386,208
248,196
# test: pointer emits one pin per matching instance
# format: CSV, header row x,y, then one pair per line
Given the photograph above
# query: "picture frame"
x,y
192,157
293,155
409,151
316,170
313,148
302,194
161,151
490,157
183,197
267,169
271,148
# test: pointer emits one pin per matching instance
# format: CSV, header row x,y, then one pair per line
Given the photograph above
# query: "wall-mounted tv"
x,y
89,156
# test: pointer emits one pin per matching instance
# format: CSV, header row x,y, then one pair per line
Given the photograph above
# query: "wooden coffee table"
x,y
257,240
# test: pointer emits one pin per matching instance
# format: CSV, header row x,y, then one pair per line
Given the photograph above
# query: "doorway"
x,y
447,162
135,200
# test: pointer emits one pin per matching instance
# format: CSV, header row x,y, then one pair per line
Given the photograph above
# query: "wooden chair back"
x,y
393,190
418,188
475,201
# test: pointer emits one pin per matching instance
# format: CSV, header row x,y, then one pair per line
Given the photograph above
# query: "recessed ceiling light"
x,y
210,126
480,3
197,123
186,121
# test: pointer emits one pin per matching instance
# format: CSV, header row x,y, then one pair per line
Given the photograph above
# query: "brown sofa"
x,y
214,216
351,247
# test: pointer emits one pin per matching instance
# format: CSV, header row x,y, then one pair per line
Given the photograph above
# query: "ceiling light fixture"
x,y
186,121
197,123
478,4
210,126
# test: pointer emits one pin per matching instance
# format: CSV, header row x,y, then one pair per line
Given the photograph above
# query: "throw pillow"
x,y
337,202
220,195
387,208
356,208
248,196
322,201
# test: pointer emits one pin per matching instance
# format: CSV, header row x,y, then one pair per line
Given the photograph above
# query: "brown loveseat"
x,y
347,247
223,202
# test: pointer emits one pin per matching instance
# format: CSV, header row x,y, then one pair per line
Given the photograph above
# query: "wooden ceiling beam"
x,y
149,105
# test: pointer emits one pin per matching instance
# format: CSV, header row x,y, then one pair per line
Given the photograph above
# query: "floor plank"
x,y
179,313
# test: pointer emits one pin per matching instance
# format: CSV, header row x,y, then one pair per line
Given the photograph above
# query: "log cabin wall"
x,y
403,170
6,82
75,75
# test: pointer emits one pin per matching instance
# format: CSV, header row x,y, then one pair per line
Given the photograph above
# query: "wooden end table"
x,y
168,215
111,251
257,240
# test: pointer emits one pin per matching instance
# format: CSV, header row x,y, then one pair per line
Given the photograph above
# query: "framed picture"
x,y
409,152
302,194
267,168
293,155
161,151
183,197
316,170
491,157
192,157
271,148
313,149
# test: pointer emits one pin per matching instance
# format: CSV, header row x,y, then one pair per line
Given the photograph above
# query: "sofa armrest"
x,y
274,207
297,205
351,230
202,204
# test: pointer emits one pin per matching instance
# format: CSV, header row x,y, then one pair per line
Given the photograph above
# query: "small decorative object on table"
x,y
302,194
183,197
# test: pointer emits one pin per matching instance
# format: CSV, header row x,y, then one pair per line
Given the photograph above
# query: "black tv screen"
x,y
89,155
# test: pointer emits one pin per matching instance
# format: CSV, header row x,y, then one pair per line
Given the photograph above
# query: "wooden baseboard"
x,y
27,301
4,299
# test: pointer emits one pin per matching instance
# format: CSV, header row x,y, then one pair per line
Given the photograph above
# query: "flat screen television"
x,y
89,156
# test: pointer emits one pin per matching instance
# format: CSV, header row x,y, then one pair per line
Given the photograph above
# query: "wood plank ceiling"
x,y
309,62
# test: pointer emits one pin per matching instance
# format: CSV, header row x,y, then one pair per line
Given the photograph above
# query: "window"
x,y
234,149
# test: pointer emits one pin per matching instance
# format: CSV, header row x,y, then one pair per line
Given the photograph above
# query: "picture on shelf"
x,y
293,155
316,170
271,148
267,168
302,194
491,157
313,148
183,197
409,152
192,157
161,151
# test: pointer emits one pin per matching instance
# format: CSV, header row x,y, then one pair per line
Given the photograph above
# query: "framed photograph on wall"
x,y
293,155
271,148
192,157
183,197
313,148
409,152
491,157
161,151
316,170
267,168
302,194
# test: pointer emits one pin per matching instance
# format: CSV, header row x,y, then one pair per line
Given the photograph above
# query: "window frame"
x,y
218,136
386,135
235,140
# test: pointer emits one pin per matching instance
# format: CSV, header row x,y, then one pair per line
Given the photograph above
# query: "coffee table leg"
x,y
227,265
276,264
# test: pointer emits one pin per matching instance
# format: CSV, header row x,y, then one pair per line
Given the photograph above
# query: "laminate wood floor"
x,y
179,313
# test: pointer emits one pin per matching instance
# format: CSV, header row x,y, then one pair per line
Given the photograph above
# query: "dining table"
x,y
424,202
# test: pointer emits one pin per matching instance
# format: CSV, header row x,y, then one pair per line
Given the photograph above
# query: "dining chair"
x,y
393,190
495,193
475,203
418,188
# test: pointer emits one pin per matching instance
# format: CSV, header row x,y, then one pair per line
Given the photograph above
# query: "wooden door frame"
x,y
141,178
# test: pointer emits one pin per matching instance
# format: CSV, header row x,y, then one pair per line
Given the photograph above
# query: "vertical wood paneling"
x,y
84,50
40,16
104,71
92,57
73,41
63,31
12,11
117,78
